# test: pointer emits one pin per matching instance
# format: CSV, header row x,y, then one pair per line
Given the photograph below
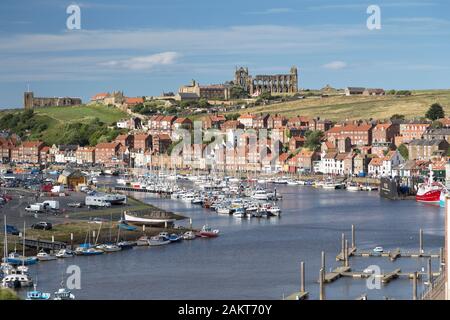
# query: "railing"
x,y
436,291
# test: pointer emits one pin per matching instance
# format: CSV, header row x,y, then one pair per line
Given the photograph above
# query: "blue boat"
x,y
127,227
37,295
16,259
92,252
175,238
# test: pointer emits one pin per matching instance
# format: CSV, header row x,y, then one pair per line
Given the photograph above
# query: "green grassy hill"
x,y
82,113
64,125
341,107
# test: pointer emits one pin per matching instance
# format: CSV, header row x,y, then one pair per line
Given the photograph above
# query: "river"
x,y
258,258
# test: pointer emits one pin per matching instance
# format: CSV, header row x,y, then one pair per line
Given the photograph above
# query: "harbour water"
x,y
260,258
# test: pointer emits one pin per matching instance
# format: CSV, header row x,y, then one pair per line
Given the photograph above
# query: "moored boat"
x,y
37,295
158,241
189,235
430,191
208,232
44,256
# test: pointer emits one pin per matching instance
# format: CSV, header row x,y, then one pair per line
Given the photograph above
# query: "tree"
x,y
403,150
203,103
313,139
237,92
435,112
398,117
437,124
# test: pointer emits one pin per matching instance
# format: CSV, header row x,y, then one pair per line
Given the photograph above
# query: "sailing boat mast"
x,y
23,245
5,242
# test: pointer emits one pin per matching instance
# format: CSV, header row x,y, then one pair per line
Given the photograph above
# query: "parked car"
x,y
42,226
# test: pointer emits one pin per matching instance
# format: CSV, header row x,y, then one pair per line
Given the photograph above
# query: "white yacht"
x,y
14,280
44,256
260,195
64,253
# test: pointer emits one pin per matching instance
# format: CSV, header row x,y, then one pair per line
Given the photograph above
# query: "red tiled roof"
x,y
31,144
100,96
134,100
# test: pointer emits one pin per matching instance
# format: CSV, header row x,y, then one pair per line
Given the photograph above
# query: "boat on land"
x,y
147,221
208,232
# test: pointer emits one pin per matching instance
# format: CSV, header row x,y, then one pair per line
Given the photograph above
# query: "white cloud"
x,y
335,65
272,11
145,62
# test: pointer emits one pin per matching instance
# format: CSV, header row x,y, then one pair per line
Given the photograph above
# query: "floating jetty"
x,y
345,270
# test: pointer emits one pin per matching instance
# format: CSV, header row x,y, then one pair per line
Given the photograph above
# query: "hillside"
x,y
82,113
84,125
341,107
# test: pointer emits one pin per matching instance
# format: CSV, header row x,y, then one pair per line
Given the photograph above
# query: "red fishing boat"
x,y
207,232
430,191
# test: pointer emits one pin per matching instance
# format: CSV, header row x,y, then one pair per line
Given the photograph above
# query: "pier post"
x,y
353,237
430,274
71,241
323,265
302,277
346,253
343,247
321,287
415,285
420,242
441,260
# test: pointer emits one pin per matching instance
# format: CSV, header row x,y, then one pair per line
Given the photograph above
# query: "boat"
x,y
207,232
109,247
44,256
189,235
175,238
223,211
378,249
164,235
63,294
147,221
17,281
142,241
16,259
125,245
353,187
37,295
158,241
239,213
92,252
430,191
260,195
444,194
274,210
65,253
189,197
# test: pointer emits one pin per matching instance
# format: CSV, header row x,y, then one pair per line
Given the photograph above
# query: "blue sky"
x,y
146,47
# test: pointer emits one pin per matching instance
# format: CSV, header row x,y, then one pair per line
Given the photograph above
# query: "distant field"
x,y
82,113
341,107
